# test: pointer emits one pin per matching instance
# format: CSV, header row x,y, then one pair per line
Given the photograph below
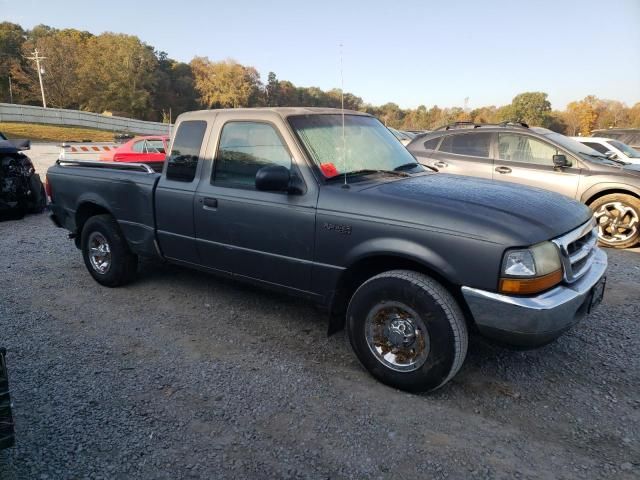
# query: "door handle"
x,y
503,170
440,164
210,202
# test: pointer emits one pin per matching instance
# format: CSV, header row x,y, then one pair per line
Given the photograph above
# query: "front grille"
x,y
577,249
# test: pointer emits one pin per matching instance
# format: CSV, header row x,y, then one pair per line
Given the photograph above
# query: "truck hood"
x,y
500,212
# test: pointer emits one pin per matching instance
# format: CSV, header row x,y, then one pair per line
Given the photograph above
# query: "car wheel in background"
x,y
106,253
407,330
618,220
38,200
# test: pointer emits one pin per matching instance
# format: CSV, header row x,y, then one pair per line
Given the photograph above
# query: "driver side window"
x,y
246,147
522,148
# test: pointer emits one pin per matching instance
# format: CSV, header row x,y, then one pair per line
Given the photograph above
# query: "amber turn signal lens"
x,y
527,286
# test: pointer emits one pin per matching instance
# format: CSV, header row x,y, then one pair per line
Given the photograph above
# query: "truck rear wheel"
x,y
6,418
407,330
106,253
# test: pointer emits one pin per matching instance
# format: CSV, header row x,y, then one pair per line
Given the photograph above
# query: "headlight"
x,y
531,270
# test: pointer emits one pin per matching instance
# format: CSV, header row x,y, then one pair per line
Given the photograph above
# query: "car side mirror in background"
x,y
611,155
273,178
560,161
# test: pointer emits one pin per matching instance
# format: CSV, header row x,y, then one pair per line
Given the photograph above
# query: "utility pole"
x,y
37,59
10,90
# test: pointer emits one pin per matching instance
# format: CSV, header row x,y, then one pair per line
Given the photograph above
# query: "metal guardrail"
x,y
57,116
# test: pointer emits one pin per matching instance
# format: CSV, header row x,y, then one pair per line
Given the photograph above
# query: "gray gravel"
x,y
183,375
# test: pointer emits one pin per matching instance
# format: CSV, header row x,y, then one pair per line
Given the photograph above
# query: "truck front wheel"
x,y
106,253
407,330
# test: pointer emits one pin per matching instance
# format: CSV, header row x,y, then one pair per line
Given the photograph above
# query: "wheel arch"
x,y
600,191
373,264
87,209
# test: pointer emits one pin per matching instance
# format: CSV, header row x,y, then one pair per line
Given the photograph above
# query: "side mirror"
x,y
273,178
611,155
560,161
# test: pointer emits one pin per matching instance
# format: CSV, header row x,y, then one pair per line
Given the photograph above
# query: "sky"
x,y
411,53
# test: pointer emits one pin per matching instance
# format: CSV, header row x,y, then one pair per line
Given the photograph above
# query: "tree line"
x,y
119,73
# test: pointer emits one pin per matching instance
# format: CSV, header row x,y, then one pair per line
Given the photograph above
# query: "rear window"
x,y
185,151
470,144
432,144
597,146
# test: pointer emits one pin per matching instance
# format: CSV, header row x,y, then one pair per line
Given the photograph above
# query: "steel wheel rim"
x,y
617,222
397,336
99,253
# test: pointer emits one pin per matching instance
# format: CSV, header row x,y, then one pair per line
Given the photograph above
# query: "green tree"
x,y
118,75
532,108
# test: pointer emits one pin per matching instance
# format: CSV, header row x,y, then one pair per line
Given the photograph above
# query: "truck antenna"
x,y
344,141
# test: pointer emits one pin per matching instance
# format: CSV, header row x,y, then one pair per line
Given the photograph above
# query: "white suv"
x,y
621,150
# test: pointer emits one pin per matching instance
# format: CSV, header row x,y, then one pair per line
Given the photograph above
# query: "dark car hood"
x,y
500,212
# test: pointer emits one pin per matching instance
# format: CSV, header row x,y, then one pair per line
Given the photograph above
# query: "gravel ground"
x,y
183,375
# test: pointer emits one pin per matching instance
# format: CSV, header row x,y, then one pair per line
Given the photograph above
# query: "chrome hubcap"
x,y
617,222
397,336
99,253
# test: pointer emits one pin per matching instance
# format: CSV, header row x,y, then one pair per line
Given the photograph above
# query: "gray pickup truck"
x,y
328,205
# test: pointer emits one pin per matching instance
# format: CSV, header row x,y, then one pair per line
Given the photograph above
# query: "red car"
x,y
150,150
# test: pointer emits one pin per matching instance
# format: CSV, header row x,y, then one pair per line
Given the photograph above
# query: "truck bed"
x,y
80,188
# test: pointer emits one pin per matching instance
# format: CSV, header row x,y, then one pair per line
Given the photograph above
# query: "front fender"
x,y
405,249
598,188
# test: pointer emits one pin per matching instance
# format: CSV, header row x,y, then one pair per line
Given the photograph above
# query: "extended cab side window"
x,y
185,151
246,147
522,148
469,144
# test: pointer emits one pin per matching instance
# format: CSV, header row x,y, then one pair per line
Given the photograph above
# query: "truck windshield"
x,y
368,146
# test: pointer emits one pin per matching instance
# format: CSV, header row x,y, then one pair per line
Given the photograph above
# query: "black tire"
x,y
6,417
38,200
432,306
623,208
118,265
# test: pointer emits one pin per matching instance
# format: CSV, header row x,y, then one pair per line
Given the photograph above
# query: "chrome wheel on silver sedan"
x,y
618,220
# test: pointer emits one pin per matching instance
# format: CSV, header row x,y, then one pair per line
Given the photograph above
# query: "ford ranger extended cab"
x,y
328,205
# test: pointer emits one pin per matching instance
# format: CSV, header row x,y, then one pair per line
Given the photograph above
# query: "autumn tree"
x,y
12,37
582,116
63,51
224,84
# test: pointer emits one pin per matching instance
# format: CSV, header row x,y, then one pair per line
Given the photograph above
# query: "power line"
x,y
37,59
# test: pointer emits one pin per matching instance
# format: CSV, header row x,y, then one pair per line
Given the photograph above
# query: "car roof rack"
x,y
466,124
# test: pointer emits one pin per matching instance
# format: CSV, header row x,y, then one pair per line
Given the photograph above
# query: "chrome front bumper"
x,y
534,321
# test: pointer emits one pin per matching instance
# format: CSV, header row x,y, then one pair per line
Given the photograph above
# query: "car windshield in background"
x,y
581,149
368,146
626,149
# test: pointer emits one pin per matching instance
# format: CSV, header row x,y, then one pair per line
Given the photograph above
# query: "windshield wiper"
x,y
604,157
368,171
409,166
406,166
